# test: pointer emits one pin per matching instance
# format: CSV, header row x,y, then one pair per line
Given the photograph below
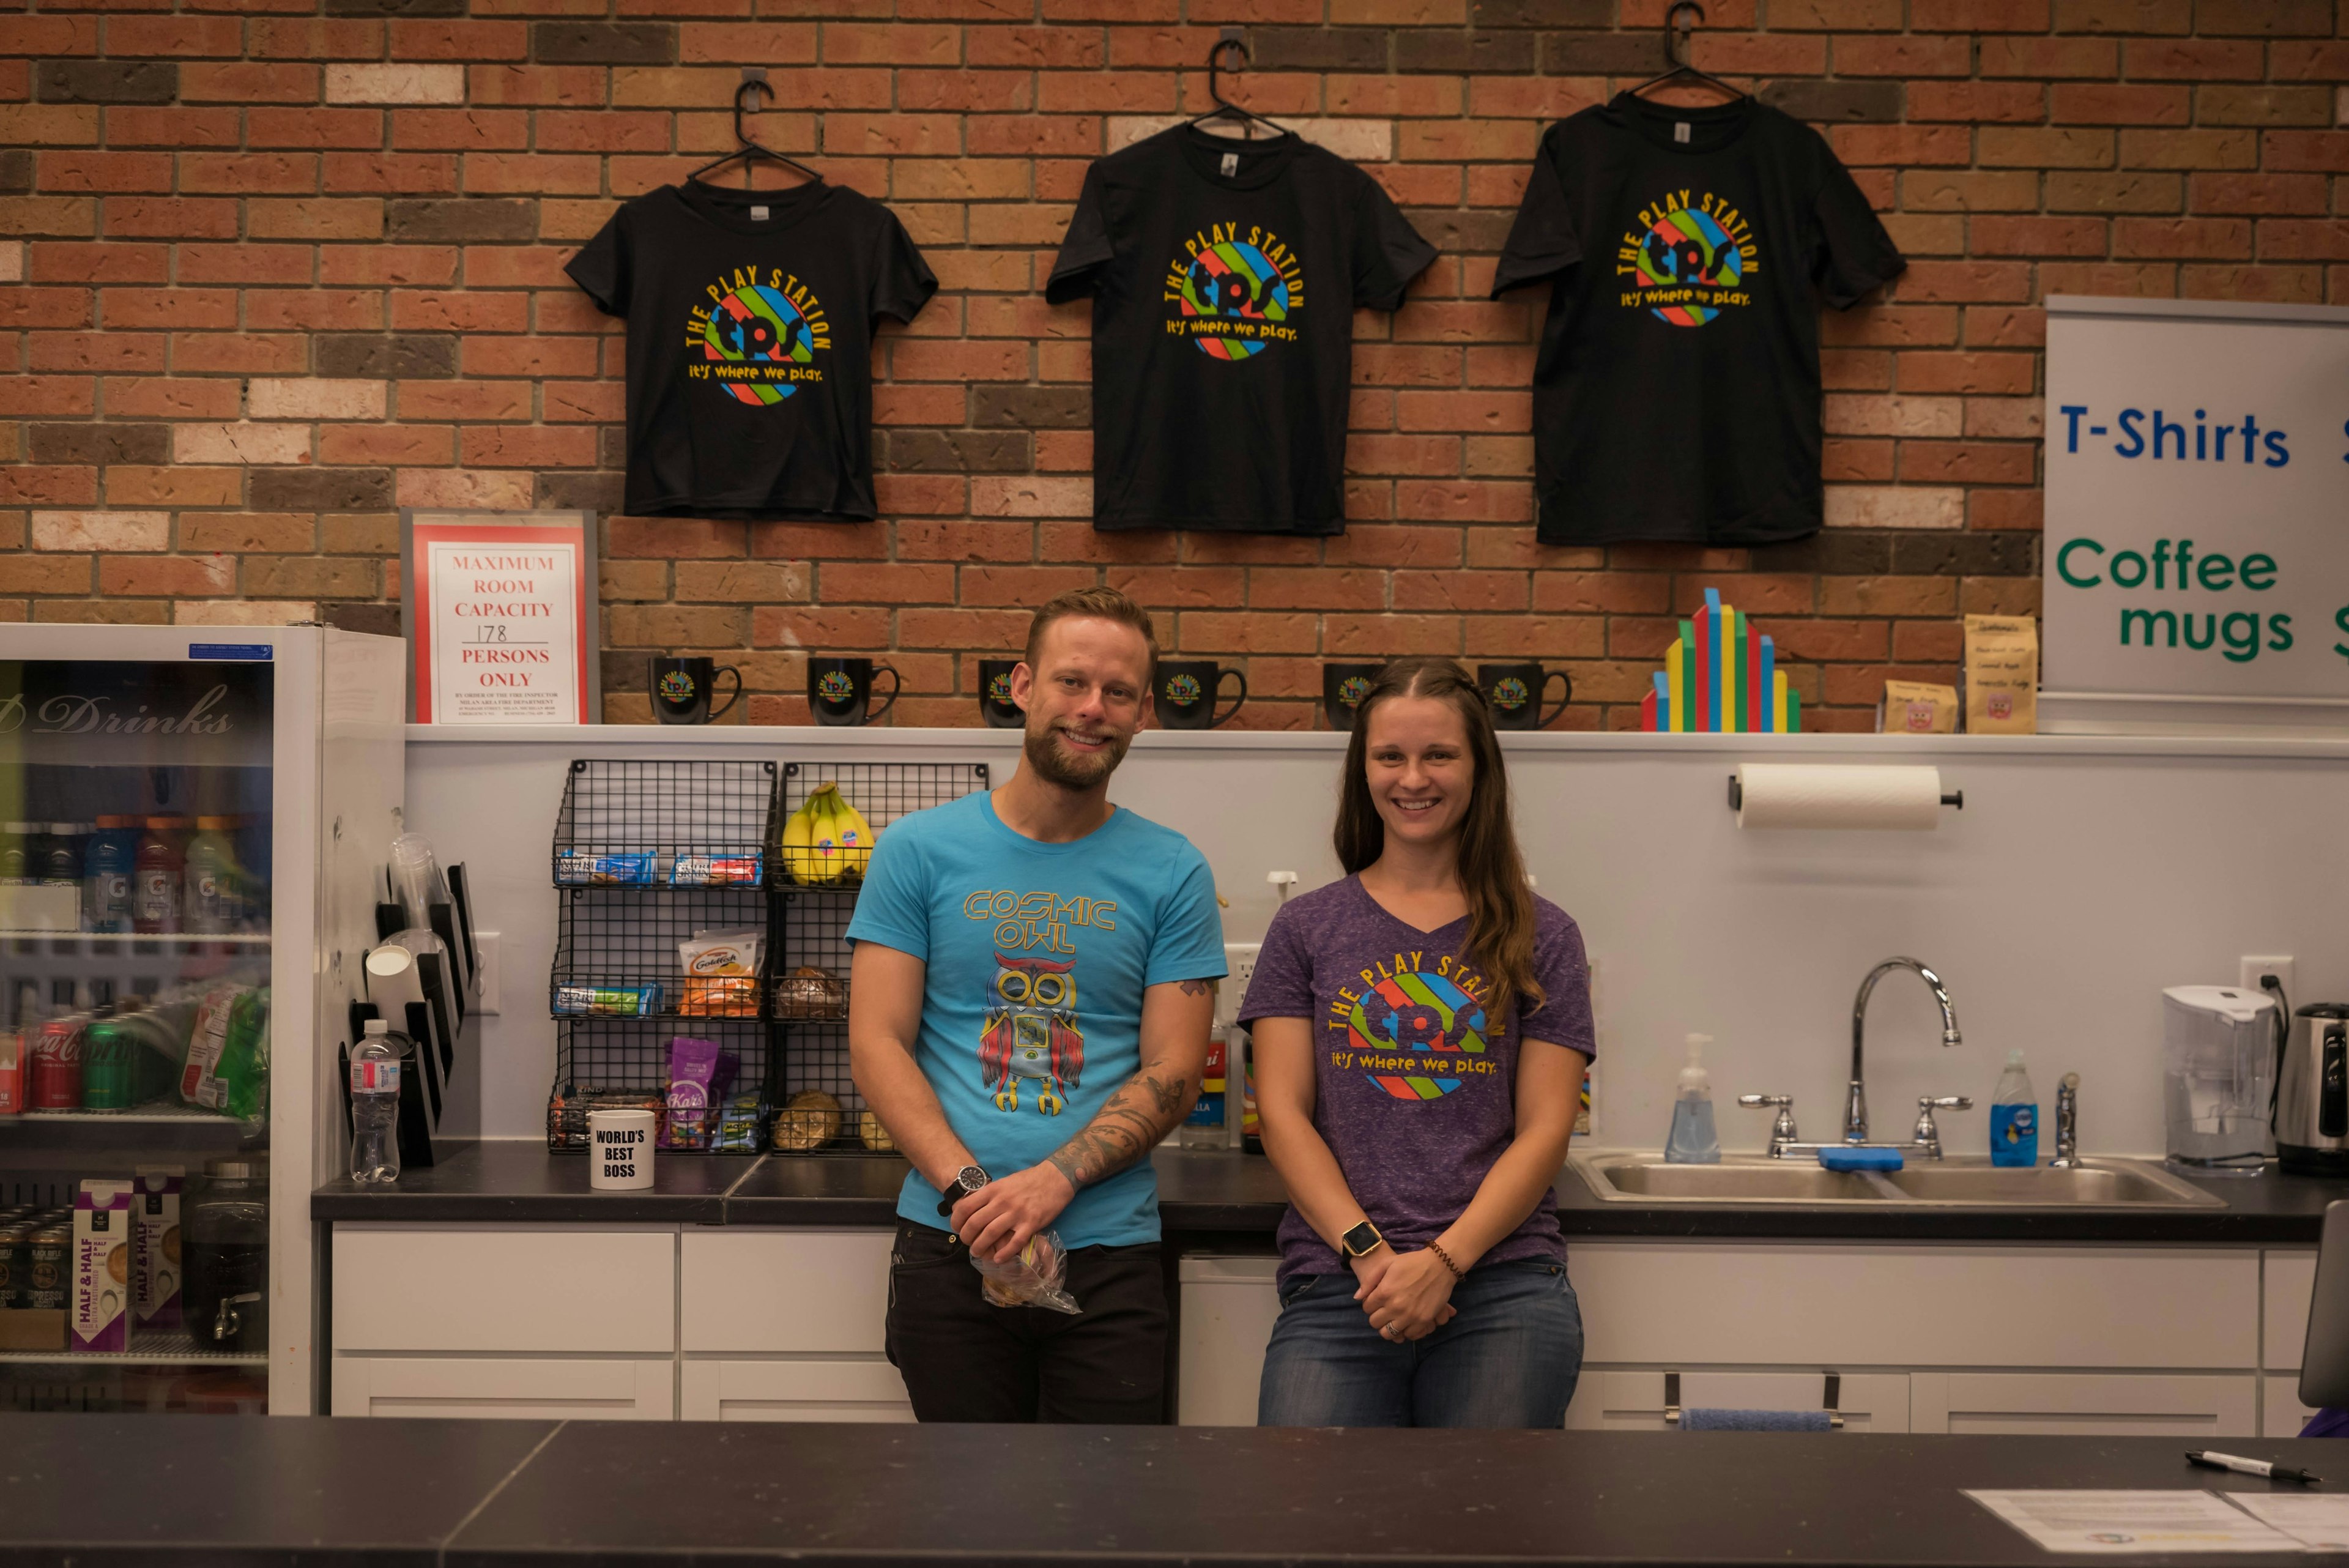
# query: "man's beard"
x,y
1068,769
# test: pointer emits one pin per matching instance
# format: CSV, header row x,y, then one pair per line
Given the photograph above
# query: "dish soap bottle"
x,y
2014,1117
1693,1140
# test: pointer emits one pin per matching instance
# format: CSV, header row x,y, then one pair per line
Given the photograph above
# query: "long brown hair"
x,y
1492,872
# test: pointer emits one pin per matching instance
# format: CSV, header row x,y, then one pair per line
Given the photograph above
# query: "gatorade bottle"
x,y
215,902
156,869
107,868
2014,1117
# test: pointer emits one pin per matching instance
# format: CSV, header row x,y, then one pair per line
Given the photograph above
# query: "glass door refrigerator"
x,y
194,823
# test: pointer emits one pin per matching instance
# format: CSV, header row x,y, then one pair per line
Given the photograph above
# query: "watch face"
x,y
970,1178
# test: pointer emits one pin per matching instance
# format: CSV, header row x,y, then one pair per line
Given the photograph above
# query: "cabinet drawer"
x,y
492,1288
2147,1405
823,1291
489,1388
2281,1415
1758,1305
2283,1313
1634,1401
1229,1306
849,1390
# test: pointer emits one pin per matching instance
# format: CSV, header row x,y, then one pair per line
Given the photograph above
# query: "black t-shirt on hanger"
x,y
750,317
1676,396
1224,275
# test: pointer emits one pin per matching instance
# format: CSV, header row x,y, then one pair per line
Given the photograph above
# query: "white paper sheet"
x,y
2132,1522
2317,1520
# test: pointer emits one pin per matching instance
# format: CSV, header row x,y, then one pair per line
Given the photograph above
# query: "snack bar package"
x,y
721,974
578,870
716,871
607,1000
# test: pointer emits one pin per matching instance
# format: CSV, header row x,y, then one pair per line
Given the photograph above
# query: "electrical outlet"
x,y
2255,967
1240,959
486,944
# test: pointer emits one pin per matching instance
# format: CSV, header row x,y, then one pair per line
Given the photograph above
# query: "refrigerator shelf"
x,y
133,940
150,1112
166,1349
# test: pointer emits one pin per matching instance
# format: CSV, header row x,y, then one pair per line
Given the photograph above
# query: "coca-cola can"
x,y
55,1070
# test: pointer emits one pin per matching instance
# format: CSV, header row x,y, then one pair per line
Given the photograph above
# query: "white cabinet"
x,y
1634,1401
786,1325
2121,1405
2290,1279
510,1387
533,1290
1228,1308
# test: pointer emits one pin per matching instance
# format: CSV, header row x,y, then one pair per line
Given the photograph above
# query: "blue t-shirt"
x,y
1038,956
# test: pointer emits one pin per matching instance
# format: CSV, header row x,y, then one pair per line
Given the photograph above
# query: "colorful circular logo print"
x,y
1233,280
1183,690
998,690
833,686
1686,248
1353,688
676,686
1411,1031
757,325
1509,693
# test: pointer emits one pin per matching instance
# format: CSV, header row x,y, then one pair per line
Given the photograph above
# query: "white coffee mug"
x,y
619,1150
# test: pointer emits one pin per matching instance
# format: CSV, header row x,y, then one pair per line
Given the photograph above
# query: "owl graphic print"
x,y
1032,1036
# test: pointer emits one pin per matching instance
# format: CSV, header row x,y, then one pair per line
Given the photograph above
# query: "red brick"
x,y
2223,238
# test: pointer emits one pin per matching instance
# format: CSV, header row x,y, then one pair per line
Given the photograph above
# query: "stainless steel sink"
x,y
1959,1183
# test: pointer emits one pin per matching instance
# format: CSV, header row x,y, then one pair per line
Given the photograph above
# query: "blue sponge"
x,y
1860,1159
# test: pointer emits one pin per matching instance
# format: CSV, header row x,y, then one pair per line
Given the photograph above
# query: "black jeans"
x,y
965,1360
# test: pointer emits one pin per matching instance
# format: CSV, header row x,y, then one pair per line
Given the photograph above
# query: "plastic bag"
x,y
1038,1277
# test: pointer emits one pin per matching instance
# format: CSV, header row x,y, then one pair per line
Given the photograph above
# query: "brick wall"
x,y
274,268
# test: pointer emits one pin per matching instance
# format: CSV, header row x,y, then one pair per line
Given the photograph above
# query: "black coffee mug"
x,y
1343,686
840,690
681,689
1513,694
1185,691
995,704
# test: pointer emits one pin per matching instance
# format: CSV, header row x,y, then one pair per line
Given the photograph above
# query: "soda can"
x,y
15,1265
56,1069
50,1251
107,1071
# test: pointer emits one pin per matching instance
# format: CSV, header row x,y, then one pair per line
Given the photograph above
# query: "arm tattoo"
x,y
1141,1112
1195,987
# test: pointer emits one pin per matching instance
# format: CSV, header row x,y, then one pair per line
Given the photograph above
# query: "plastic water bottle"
x,y
375,1107
1693,1140
2014,1117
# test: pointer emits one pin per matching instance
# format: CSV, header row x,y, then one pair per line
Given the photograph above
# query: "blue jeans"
x,y
1510,1357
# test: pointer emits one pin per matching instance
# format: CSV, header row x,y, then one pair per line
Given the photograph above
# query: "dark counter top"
x,y
450,1494
1230,1199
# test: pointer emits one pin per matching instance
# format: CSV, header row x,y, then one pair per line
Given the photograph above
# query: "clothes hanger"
x,y
1225,108
754,81
1682,71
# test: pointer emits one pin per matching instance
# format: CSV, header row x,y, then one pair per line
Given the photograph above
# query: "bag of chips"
x,y
721,974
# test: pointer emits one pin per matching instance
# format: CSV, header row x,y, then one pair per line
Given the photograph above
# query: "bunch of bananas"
x,y
826,843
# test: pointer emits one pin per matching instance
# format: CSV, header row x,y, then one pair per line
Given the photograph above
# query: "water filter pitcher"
x,y
2219,1053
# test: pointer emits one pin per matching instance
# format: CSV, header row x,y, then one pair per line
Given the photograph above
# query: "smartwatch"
x,y
966,1180
1361,1242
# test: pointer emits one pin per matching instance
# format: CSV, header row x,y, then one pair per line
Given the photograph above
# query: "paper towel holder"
x,y
1954,798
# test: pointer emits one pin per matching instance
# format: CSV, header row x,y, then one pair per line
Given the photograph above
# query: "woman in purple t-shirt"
x,y
1422,1029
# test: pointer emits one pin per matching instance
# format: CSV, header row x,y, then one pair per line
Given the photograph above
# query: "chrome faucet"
x,y
2067,1124
1854,1114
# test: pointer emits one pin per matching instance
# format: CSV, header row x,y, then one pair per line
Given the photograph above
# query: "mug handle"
x,y
1544,721
895,683
1238,675
731,697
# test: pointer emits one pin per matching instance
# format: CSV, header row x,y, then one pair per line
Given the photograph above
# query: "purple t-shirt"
x,y
1414,1088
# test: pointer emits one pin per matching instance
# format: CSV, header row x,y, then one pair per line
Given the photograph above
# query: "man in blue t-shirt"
x,y
1029,1011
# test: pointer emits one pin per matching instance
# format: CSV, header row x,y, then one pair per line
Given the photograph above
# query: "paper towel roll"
x,y
1802,794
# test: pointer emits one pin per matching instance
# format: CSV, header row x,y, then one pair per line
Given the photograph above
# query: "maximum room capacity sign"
x,y
2198,502
500,613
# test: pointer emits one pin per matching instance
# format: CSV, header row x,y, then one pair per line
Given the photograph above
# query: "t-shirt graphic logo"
x,y
1233,291
1413,1031
758,339
1031,1031
1690,259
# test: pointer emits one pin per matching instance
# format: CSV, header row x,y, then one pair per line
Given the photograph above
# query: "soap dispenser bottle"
x,y
1693,1140
2014,1117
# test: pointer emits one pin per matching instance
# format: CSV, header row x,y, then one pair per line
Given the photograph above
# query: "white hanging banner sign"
x,y
501,617
2197,505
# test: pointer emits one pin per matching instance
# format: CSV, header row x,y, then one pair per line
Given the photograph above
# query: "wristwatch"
x,y
1361,1242
966,1180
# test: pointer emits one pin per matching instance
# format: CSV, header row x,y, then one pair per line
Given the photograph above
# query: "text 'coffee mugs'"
x,y
839,691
